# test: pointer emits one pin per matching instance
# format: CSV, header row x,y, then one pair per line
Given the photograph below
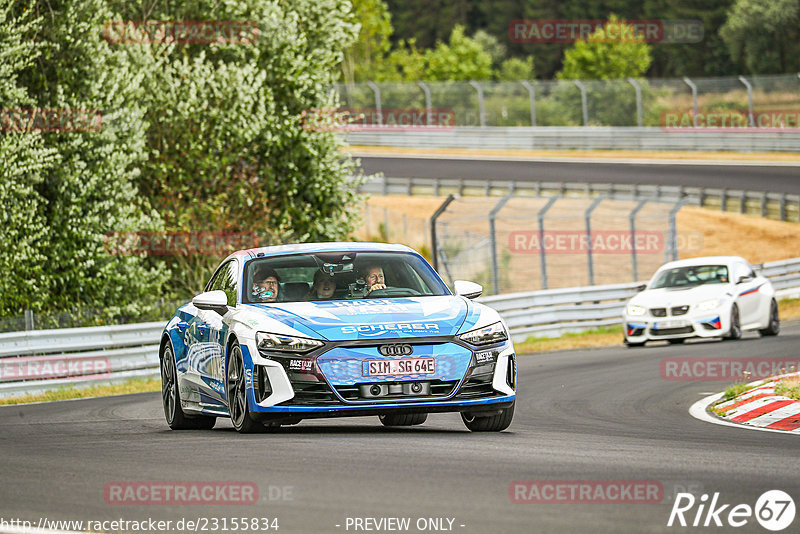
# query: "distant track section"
x,y
739,175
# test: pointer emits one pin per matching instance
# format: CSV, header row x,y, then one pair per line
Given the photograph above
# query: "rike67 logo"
x,y
774,510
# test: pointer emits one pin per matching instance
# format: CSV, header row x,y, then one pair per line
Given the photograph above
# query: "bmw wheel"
x,y
735,331
774,325
236,388
171,398
491,423
404,419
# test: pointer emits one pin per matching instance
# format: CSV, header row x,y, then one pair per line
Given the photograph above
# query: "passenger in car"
x,y
266,285
324,287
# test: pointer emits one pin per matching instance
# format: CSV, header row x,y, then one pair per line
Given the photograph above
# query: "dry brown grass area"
x,y
756,239
701,232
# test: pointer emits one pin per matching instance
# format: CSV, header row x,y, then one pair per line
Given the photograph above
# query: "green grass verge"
x,y
789,387
137,385
600,337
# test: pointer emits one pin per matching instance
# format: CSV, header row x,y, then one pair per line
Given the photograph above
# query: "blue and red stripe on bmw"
x,y
753,290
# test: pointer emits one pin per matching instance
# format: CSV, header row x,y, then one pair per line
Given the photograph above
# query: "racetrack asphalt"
x,y
735,176
603,414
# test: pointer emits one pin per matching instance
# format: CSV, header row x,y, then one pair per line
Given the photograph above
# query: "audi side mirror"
x,y
468,289
215,300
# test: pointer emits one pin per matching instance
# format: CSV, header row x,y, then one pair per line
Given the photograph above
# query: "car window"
x,y
225,280
405,275
691,276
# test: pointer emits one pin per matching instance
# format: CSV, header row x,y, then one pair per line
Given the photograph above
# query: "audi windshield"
x,y
339,276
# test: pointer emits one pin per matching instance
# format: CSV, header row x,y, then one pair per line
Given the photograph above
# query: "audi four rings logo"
x,y
396,350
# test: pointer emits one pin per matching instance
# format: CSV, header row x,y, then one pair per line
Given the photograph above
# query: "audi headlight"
x,y
634,309
709,304
283,343
494,333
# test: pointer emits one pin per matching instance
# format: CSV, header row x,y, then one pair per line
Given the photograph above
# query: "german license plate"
x,y
662,325
403,366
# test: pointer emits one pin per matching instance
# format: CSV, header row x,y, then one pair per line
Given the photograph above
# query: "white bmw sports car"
x,y
715,296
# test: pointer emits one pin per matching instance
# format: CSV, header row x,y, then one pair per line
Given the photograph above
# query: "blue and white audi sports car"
x,y
292,332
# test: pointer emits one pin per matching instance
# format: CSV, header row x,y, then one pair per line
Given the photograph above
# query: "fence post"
x,y
378,109
743,203
724,199
693,87
29,320
434,244
493,241
584,102
588,217
428,107
638,89
673,233
481,110
532,94
542,253
783,206
632,222
764,204
750,118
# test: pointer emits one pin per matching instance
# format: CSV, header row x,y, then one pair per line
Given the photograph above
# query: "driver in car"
x,y
373,276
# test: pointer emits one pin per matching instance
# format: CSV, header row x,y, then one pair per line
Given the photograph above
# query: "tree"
x,y
607,54
364,58
24,161
229,148
90,194
764,35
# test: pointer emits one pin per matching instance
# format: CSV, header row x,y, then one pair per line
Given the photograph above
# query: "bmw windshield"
x,y
339,276
691,276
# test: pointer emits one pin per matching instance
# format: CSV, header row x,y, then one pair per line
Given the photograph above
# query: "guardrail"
x,y
36,361
578,138
781,206
553,312
40,360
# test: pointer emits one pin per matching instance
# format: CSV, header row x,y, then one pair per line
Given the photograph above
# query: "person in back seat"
x,y
324,287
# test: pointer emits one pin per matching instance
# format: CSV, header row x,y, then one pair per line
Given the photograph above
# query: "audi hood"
x,y
348,320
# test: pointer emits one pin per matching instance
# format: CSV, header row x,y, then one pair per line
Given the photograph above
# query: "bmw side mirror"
x,y
744,279
216,301
468,289
640,288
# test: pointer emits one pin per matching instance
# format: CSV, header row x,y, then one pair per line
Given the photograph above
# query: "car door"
x,y
208,332
748,296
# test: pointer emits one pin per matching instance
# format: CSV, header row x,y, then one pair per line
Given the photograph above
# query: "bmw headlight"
x,y
494,333
283,343
634,309
709,304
